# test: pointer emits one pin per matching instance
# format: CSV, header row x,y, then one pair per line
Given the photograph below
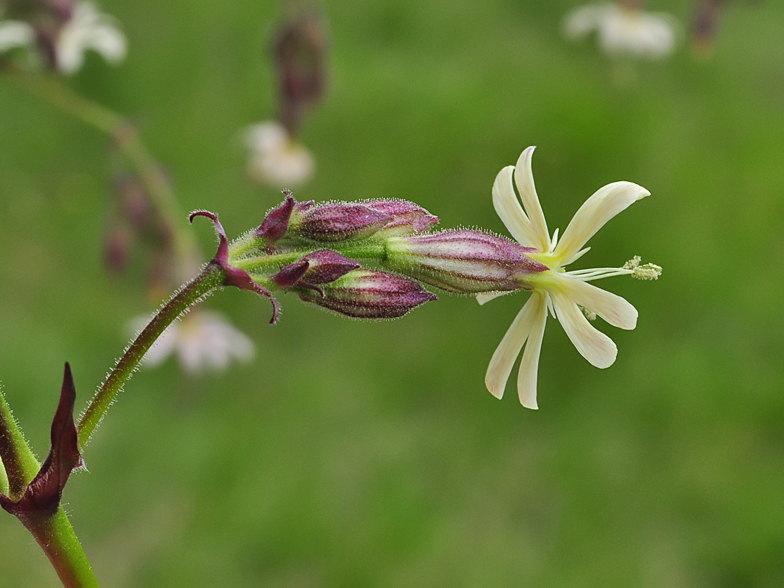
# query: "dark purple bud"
x,y
290,275
300,52
42,495
336,221
705,24
463,261
276,223
368,294
325,266
63,9
320,267
116,248
134,203
234,276
407,217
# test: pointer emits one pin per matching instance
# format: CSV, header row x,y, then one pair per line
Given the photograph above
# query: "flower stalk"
x,y
201,286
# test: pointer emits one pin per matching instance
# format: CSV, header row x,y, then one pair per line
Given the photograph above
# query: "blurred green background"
x,y
353,454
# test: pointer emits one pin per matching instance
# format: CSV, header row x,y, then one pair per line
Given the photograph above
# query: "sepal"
x,y
407,218
320,267
369,294
43,494
234,276
463,261
276,223
335,222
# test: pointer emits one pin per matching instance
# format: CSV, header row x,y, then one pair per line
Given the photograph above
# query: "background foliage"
x,y
351,454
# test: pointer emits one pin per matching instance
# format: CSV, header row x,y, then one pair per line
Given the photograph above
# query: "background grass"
x,y
357,455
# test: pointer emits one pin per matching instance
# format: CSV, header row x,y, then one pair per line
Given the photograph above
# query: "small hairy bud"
x,y
368,294
407,218
320,267
276,223
335,221
301,54
463,261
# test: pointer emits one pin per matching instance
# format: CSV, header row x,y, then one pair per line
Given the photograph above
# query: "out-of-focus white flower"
x,y
275,158
202,340
623,30
567,294
88,29
14,33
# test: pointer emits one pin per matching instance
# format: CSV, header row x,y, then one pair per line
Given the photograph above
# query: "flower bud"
x,y
276,223
463,261
320,267
301,54
368,294
117,246
335,221
407,217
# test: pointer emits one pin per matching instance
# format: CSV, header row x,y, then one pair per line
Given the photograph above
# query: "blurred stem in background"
x,y
125,136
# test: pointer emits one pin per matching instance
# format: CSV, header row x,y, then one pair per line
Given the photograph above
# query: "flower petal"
x,y
509,210
486,297
15,34
529,365
507,351
70,55
593,345
524,178
109,42
615,310
583,20
604,204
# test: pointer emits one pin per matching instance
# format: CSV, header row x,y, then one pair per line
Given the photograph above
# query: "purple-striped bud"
x,y
407,217
463,261
276,223
336,221
320,267
368,294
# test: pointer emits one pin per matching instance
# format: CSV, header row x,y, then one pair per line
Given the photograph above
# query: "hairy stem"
x,y
19,464
210,278
56,537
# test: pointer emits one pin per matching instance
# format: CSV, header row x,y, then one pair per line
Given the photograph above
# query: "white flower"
x,y
562,292
624,30
88,29
275,158
14,33
202,340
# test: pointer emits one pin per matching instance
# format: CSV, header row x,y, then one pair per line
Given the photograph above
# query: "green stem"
x,y
56,537
210,278
3,479
372,251
263,262
245,244
19,463
53,533
128,141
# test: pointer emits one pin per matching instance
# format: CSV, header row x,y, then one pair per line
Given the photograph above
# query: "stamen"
x,y
588,275
648,271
